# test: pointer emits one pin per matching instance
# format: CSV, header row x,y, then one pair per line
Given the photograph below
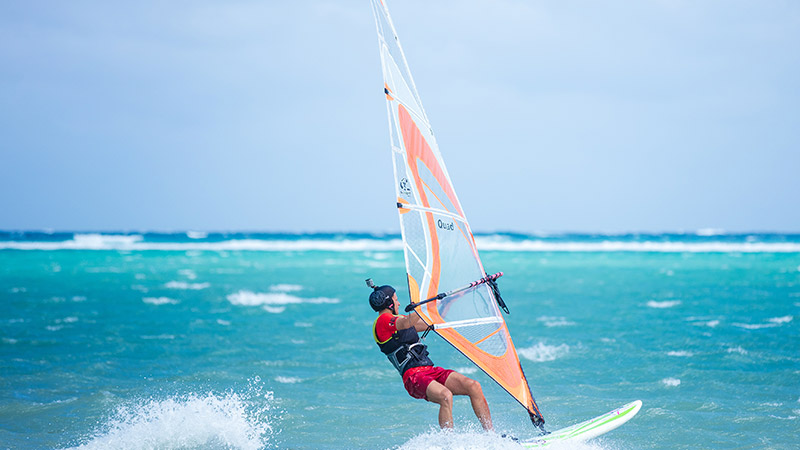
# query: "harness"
x,y
403,349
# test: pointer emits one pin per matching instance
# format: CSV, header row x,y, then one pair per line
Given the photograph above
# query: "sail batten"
x,y
439,246
468,323
435,211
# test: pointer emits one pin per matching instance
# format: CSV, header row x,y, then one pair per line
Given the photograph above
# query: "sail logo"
x,y
405,187
446,226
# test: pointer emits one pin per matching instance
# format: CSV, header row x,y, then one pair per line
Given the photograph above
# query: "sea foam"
x,y
286,287
771,323
549,321
188,273
781,320
193,421
160,301
186,286
664,304
542,352
671,382
270,299
738,350
288,380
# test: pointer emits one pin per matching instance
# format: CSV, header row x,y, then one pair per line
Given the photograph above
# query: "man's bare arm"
x,y
411,320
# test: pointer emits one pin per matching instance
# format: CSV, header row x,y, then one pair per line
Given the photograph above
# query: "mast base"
x,y
538,422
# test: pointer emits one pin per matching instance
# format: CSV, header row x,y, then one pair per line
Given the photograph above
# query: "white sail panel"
x,y
392,54
397,87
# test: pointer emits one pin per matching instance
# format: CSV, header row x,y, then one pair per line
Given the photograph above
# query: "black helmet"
x,y
381,298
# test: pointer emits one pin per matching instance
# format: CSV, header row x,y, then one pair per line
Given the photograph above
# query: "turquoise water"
x,y
263,341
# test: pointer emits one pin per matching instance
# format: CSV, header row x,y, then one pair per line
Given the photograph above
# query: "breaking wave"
x,y
274,302
662,243
664,304
186,286
542,352
192,421
771,323
288,380
160,301
549,321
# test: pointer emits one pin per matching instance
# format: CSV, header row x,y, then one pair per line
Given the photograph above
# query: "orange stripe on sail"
x,y
488,336
418,148
401,209
413,289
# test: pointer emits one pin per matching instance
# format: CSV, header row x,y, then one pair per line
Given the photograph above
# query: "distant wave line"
x,y
484,243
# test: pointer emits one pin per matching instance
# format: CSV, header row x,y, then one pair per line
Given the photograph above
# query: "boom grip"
x,y
487,278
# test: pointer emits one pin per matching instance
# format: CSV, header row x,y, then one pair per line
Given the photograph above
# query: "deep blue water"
x,y
253,340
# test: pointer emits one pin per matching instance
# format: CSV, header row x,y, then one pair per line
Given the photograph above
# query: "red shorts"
x,y
417,379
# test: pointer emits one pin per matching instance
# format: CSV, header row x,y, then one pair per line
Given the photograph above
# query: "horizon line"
x,y
704,231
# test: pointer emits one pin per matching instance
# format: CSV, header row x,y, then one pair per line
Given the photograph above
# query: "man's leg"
x,y
460,385
438,393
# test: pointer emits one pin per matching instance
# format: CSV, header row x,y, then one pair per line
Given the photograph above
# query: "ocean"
x,y
197,340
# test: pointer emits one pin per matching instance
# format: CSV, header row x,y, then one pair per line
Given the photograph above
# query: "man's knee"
x,y
473,387
444,397
439,394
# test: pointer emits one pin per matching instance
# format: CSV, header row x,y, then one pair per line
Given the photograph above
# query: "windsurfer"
x,y
398,338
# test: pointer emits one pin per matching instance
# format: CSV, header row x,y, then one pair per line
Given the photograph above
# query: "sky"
x,y
552,116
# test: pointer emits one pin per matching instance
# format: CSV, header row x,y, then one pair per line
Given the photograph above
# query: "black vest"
x,y
404,349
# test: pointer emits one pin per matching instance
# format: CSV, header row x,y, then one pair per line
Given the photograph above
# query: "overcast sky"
x,y
251,115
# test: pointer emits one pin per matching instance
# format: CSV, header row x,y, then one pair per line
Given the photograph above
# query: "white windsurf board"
x,y
589,429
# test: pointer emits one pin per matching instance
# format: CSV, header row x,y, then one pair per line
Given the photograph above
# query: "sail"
x,y
439,247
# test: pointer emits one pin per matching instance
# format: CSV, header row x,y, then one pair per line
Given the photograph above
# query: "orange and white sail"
x,y
440,251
